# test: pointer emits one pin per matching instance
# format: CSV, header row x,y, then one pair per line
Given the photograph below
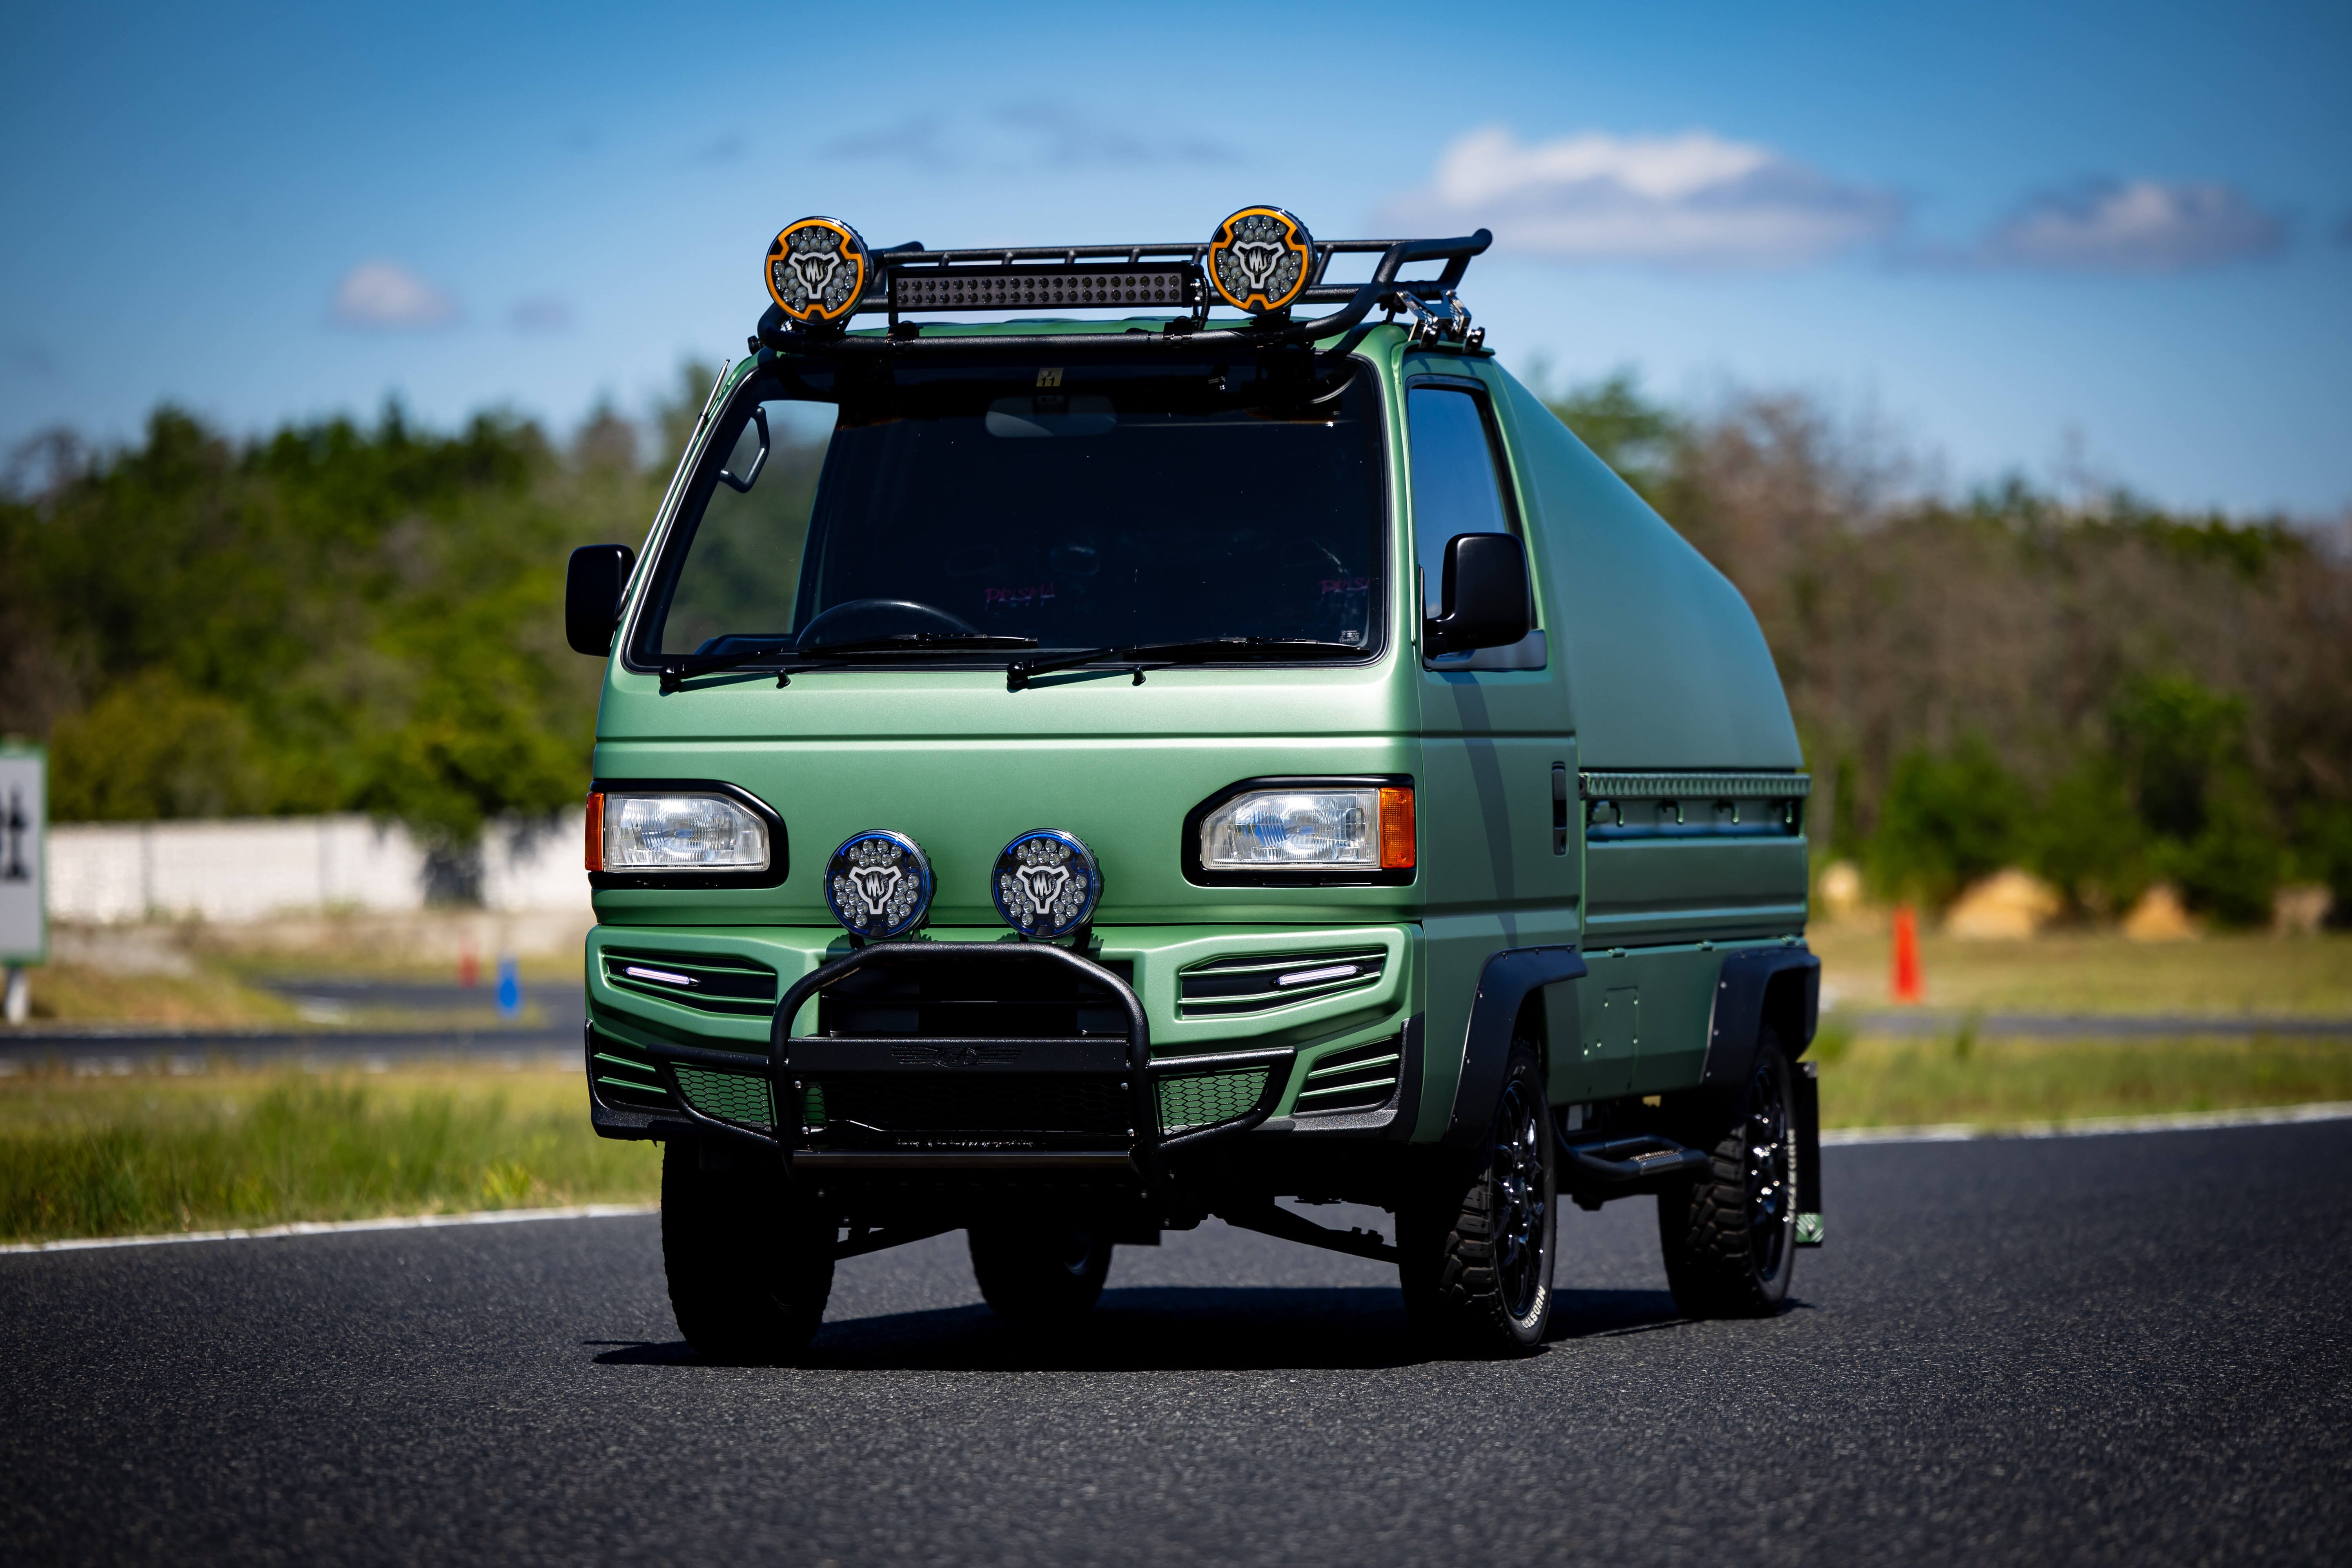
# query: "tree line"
x,y
346,616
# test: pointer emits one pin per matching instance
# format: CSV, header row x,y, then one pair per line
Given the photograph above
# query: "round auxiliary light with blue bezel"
x,y
1047,883
878,884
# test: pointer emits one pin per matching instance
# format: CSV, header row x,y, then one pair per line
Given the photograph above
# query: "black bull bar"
x,y
795,1061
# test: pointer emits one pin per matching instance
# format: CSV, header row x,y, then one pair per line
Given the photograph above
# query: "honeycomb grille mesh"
x,y
732,1097
1208,1098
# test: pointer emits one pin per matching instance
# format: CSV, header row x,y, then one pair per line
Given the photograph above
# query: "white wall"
x,y
249,868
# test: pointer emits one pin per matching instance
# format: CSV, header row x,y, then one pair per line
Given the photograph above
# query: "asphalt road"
x,y
2129,1349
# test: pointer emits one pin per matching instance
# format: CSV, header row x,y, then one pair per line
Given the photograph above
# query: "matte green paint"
x,y
1656,662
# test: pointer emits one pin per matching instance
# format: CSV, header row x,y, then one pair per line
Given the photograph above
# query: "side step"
x,y
1594,1172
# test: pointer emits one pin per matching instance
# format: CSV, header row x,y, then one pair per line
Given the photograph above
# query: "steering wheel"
x,y
855,620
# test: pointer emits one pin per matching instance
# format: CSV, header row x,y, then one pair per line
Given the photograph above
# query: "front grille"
x,y
706,981
1225,986
729,1096
1207,1099
1361,1078
1008,1107
972,999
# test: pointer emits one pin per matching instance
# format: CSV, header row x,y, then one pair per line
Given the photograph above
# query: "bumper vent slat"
x,y
1223,988
1361,1078
706,981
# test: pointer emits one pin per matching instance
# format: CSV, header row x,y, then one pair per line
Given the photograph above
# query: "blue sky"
x,y
2113,239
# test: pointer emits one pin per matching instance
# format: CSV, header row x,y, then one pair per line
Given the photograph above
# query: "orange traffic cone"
x,y
1907,988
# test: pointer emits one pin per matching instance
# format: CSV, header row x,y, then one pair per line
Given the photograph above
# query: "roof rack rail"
x,y
821,268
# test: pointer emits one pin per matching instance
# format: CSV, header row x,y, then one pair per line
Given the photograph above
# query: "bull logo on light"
x,y
1258,260
874,884
1044,884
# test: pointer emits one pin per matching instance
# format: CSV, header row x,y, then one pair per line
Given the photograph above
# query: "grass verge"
x,y
148,1153
1878,1083
2099,972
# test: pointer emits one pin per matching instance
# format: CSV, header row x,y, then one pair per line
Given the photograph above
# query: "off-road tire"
x,y
1476,1245
1039,1276
749,1266
1731,1237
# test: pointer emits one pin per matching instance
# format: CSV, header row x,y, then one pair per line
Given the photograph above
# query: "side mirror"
x,y
593,585
1484,594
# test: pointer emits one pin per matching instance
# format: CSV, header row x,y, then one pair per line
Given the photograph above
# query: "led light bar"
x,y
1020,288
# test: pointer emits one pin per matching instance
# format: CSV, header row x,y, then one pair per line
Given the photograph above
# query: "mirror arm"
x,y
759,458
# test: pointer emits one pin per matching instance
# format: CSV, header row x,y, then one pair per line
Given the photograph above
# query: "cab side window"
x,y
1456,484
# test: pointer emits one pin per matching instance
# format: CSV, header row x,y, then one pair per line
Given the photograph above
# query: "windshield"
x,y
1083,506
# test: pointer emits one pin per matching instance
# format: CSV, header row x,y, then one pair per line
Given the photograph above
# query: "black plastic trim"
x,y
1504,985
1189,847
779,857
1808,1085
1395,1120
1741,987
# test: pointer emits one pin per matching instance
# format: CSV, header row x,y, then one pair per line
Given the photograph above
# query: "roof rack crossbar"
x,y
1356,300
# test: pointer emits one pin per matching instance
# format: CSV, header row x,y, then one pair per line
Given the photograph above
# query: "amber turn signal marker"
x,y
596,831
1396,829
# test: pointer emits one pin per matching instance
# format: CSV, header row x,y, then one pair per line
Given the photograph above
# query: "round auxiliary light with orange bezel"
x,y
817,271
1260,259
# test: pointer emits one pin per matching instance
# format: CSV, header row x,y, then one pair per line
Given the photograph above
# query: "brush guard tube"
x,y
792,1060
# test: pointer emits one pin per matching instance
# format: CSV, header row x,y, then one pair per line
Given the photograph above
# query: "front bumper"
x,y
998,1053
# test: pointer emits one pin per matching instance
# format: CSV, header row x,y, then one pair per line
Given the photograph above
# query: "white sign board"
x,y
24,822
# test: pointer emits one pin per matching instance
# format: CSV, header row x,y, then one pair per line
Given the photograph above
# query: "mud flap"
x,y
1809,1154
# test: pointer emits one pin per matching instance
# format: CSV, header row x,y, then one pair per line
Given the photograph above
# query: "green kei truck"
x,y
1162,763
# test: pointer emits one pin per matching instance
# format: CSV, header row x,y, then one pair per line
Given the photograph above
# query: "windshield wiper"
x,y
687,666
1197,651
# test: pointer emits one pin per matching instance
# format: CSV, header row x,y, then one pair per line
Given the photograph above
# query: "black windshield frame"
x,y
776,380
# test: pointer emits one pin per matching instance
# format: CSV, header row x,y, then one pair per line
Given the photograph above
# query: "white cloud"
x,y
384,296
1690,200
2142,226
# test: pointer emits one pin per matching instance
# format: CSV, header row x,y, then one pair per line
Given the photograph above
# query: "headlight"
x,y
673,833
1307,829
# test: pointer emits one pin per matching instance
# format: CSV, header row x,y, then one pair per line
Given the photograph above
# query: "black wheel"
x,y
1477,1245
1731,1237
1040,1275
749,1266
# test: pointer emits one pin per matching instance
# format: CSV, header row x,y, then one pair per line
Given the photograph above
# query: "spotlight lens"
x,y
1047,883
878,884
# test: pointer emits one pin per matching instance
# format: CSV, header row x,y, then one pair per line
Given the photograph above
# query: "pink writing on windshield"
x,y
1017,598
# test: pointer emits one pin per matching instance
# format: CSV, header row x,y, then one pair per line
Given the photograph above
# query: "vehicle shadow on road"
x,y
1147,1329
1602,1315
1169,1329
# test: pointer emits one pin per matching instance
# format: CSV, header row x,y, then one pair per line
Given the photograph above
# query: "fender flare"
x,y
1787,980
1504,985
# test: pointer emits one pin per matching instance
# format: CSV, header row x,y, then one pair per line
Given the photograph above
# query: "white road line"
x,y
2097,1126
339,1226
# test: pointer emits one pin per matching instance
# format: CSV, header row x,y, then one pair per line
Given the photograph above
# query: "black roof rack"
x,y
910,279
